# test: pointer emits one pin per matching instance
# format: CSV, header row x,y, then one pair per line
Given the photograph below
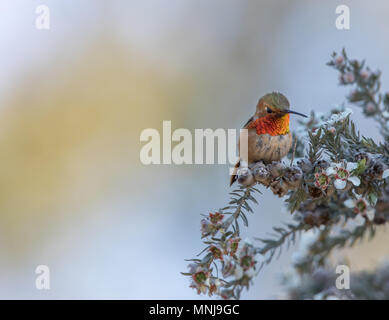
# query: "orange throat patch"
x,y
273,125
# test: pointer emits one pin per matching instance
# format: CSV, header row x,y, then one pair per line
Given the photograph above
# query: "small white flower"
x,y
343,174
348,77
338,60
385,174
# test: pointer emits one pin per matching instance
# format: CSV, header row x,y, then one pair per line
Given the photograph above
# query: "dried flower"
x,y
262,174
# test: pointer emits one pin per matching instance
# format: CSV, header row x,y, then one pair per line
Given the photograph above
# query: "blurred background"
x,y
74,99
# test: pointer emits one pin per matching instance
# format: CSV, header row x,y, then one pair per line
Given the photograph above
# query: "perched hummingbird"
x,y
269,138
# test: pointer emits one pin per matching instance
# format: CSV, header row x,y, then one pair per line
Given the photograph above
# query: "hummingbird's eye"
x,y
268,110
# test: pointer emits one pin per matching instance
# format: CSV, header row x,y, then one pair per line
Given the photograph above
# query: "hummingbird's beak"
x,y
298,113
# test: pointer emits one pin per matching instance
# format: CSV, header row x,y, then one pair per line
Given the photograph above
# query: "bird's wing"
x,y
249,123
233,176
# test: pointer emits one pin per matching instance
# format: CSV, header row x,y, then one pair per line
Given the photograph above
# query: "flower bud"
x,y
293,177
261,173
338,60
370,108
276,169
364,74
314,192
245,177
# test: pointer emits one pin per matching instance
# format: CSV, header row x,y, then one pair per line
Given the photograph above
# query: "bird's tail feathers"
x,y
234,173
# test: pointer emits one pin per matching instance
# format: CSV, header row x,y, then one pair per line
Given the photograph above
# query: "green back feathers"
x,y
277,100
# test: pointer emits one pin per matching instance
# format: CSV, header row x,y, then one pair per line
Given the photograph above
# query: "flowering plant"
x,y
337,190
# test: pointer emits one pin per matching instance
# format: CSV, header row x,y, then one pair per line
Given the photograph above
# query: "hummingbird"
x,y
268,137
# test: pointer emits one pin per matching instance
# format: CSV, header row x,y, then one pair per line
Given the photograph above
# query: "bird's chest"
x,y
268,148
